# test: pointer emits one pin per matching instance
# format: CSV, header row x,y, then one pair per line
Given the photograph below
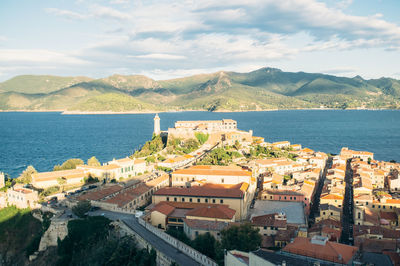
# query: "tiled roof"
x,y
332,196
268,220
208,190
330,251
164,208
128,195
68,174
216,211
205,225
217,171
329,207
101,194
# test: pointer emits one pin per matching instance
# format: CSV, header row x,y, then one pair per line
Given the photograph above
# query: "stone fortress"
x,y
225,130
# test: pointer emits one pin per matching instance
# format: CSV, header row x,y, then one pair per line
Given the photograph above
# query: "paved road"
x,y
347,213
159,244
315,203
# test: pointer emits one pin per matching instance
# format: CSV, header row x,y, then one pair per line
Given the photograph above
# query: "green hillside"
x,y
265,88
39,84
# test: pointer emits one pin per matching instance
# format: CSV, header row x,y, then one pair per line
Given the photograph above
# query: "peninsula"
x,y
202,187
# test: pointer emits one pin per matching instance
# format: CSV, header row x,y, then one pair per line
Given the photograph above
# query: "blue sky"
x,y
164,40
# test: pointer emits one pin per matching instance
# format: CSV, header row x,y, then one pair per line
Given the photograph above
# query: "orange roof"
x,y
215,170
163,208
67,174
129,195
330,251
158,180
332,196
216,211
207,190
100,194
307,150
393,201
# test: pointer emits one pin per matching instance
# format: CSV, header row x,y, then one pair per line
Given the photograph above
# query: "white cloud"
x,y
159,56
65,13
37,56
108,12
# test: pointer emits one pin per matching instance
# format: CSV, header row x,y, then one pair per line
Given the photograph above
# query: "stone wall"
x,y
162,259
191,252
57,230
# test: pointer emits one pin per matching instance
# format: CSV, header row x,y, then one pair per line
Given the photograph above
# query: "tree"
x,y
237,145
81,208
93,161
206,244
243,237
61,181
68,164
201,137
26,176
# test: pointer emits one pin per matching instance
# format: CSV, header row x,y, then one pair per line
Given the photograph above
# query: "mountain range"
x,y
262,89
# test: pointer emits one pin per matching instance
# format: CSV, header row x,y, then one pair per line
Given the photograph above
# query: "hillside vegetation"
x,y
263,89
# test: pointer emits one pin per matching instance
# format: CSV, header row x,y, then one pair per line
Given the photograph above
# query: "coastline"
x,y
64,112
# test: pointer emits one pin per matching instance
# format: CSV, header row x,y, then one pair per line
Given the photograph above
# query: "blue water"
x,y
46,139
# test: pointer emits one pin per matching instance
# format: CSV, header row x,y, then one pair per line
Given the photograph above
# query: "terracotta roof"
x,y
207,190
332,196
128,195
216,211
100,194
158,180
218,171
393,201
205,225
330,251
163,208
68,174
268,220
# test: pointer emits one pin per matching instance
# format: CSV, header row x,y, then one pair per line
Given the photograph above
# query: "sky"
x,y
170,39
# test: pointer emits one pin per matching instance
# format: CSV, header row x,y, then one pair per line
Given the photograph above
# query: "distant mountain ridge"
x,y
262,89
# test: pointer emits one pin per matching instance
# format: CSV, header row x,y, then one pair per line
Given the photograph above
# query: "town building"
x,y
320,248
213,174
327,211
51,179
116,169
363,155
235,196
22,197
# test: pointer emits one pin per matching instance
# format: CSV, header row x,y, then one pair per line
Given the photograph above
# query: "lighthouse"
x,y
157,130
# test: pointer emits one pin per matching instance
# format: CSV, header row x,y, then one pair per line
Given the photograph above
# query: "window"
x,y
222,180
206,200
285,197
270,197
265,197
198,200
323,213
183,199
265,227
213,200
331,213
167,198
191,200
290,198
221,201
175,199
359,215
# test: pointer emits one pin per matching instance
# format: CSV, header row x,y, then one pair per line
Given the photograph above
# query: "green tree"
x,y
26,176
93,161
68,164
241,237
201,137
81,208
206,244
237,145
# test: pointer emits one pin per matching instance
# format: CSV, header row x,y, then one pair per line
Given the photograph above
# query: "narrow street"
x,y
315,202
347,211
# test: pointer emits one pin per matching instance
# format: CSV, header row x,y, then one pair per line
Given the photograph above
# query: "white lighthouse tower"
x,y
157,130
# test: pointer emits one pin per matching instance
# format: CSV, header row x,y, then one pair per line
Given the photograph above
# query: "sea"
x,y
49,138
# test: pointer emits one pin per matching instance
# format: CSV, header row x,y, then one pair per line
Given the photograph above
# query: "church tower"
x,y
157,130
